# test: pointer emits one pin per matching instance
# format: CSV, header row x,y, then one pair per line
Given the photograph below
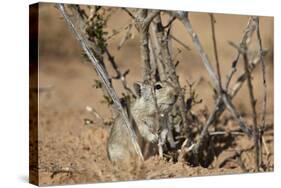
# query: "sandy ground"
x,y
70,152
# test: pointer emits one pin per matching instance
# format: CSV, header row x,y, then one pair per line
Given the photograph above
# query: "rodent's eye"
x,y
157,86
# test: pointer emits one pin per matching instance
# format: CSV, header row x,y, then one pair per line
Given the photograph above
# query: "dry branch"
x,y
183,16
224,96
261,55
104,78
143,18
217,133
128,12
155,39
248,32
154,60
219,105
241,79
223,100
127,35
228,103
119,75
145,55
180,42
253,106
216,49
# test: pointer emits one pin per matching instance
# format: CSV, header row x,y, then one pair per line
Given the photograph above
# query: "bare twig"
x,y
128,12
170,21
150,16
183,16
250,28
261,55
153,60
145,55
184,150
156,48
105,80
239,49
220,107
253,106
228,103
118,31
215,48
94,113
217,133
241,79
265,145
180,42
143,19
225,96
119,75
127,35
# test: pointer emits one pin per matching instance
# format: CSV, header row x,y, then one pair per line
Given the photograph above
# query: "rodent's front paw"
x,y
153,138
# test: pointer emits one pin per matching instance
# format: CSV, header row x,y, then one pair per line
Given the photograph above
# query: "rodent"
x,y
142,113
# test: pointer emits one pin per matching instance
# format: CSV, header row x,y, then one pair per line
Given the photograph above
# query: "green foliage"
x,y
96,29
97,84
107,100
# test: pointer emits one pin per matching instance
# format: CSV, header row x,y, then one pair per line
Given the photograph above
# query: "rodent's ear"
x,y
137,88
